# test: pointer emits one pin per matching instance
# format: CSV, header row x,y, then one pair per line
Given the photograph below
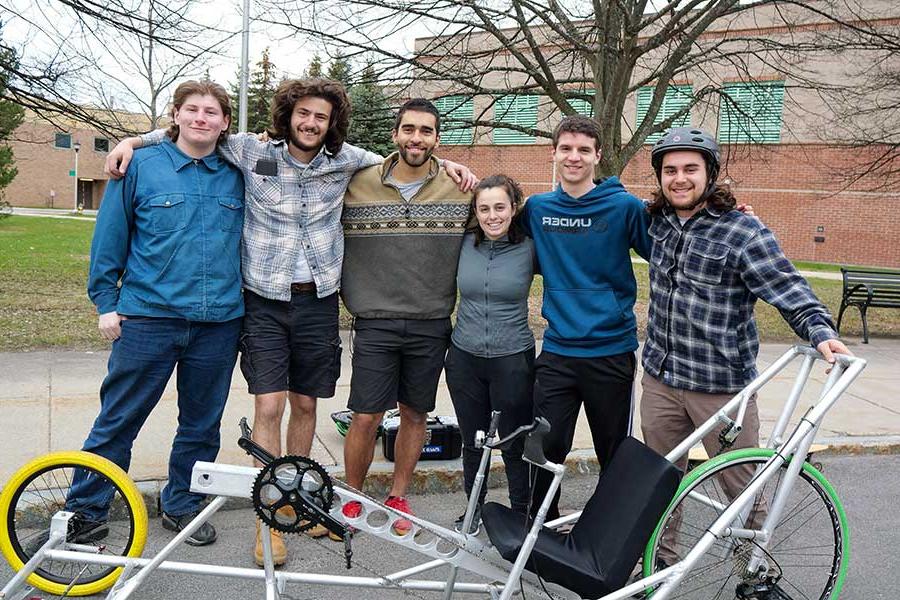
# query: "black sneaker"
x,y
81,530
204,536
474,527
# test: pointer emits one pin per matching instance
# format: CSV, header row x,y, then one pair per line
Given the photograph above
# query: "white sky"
x,y
25,27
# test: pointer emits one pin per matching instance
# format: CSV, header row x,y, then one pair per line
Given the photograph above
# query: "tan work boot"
x,y
288,516
279,550
316,531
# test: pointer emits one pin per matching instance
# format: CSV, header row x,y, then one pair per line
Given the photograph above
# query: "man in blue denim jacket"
x,y
165,276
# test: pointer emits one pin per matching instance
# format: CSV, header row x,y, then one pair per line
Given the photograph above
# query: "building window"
x,y
515,110
63,140
457,113
676,99
101,144
751,112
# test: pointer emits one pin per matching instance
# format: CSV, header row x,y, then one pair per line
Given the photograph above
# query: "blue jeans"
x,y
140,365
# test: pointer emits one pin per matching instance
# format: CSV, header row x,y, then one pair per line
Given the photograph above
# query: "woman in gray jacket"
x,y
490,364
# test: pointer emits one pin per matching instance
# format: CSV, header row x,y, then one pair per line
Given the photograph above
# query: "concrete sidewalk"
x,y
50,399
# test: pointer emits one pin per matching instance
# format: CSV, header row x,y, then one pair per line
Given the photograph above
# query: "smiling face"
x,y
576,155
494,211
416,137
200,121
683,181
309,123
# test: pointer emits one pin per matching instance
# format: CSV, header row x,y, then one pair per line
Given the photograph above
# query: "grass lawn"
x,y
43,273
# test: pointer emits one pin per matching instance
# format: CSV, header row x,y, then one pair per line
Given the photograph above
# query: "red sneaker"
x,y
352,509
401,526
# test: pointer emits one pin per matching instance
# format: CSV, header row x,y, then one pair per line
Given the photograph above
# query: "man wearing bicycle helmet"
x,y
709,264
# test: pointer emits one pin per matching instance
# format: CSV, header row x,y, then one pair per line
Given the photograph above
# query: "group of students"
x,y
180,236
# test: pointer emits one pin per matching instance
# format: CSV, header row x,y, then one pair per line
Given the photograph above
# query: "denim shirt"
x,y
170,230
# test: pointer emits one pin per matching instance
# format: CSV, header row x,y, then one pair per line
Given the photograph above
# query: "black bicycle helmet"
x,y
687,138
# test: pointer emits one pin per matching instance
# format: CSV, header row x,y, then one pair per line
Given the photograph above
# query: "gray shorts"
x,y
397,361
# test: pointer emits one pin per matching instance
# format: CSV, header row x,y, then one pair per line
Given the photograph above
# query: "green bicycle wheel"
x,y
807,556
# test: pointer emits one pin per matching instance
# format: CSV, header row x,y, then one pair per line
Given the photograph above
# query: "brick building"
x,y
45,158
781,151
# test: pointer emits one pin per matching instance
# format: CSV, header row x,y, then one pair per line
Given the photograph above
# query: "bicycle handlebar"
x,y
534,442
845,360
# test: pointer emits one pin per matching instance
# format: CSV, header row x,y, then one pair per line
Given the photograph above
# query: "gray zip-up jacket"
x,y
494,278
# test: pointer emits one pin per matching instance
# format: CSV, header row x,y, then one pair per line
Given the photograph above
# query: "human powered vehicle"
x,y
783,535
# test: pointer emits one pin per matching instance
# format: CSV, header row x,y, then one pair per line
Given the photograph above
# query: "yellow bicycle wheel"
x,y
39,490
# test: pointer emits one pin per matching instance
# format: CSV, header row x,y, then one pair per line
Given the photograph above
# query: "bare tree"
x,y
864,104
100,59
580,56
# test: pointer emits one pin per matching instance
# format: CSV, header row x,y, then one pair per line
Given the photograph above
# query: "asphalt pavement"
x,y
868,486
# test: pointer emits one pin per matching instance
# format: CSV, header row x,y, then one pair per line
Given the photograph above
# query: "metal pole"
x,y
76,146
245,68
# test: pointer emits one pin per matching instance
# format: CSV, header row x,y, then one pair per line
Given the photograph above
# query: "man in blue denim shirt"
x,y
165,277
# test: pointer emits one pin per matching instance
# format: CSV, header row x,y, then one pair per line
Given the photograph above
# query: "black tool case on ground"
x,y
443,440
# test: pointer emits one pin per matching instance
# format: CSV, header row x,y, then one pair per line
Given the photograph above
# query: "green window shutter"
x,y
583,107
516,110
751,112
457,113
676,98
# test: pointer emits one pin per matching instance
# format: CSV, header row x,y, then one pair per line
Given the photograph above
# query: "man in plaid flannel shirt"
x,y
291,254
709,263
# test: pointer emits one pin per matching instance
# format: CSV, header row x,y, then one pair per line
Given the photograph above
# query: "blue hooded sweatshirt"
x,y
583,248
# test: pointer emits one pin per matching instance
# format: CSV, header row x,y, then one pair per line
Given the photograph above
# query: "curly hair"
x,y
292,90
720,199
202,88
516,231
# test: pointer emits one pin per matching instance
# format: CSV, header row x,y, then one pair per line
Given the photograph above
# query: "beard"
x,y
416,161
295,140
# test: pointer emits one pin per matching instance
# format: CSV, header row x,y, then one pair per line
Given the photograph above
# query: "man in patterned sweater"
x,y
708,265
403,225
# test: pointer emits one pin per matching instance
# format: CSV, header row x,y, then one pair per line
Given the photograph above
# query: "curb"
x,y
446,476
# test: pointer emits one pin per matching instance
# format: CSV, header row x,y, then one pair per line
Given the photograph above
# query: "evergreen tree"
x,y
372,117
11,116
315,67
260,89
339,69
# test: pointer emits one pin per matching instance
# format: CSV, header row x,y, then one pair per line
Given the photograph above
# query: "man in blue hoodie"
x,y
583,232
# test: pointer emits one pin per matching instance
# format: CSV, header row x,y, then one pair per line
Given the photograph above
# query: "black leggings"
x,y
481,385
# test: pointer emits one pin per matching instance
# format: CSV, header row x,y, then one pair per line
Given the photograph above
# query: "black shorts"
x,y
397,361
291,345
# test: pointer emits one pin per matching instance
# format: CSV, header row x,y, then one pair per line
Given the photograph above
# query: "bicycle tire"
x,y
38,490
812,519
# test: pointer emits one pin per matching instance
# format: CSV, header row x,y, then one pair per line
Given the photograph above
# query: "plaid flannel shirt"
x,y
705,278
296,210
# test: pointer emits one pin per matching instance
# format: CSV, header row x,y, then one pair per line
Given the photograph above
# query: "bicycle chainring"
x,y
284,490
